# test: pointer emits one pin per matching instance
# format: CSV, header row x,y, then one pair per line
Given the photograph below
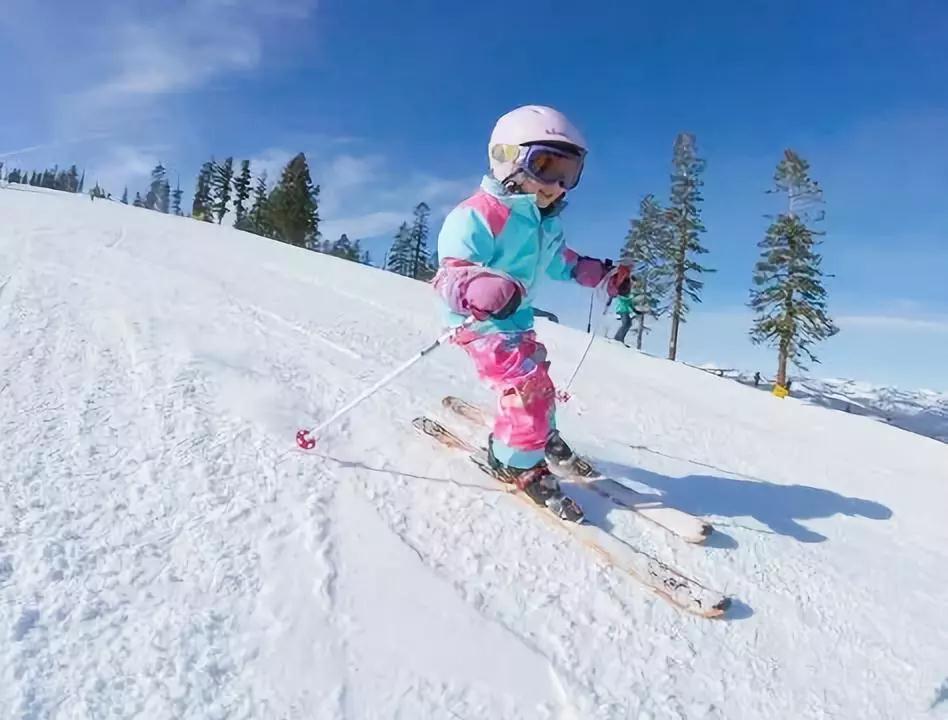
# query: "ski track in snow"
x,y
166,551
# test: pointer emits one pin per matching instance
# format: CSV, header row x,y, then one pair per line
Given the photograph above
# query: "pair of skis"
x,y
686,526
680,590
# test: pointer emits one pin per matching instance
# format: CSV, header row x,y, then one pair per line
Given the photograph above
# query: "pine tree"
x,y
681,269
138,201
400,256
293,207
241,193
157,196
342,248
221,183
201,206
70,180
647,245
366,258
419,258
176,198
788,294
258,219
125,196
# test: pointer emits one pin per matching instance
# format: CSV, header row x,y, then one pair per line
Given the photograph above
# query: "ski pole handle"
x,y
306,439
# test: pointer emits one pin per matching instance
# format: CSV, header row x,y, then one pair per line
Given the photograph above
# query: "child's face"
x,y
546,194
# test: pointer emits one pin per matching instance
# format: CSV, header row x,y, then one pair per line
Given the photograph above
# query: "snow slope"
x,y
166,551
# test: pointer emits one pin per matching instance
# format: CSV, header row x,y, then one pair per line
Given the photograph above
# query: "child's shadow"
x,y
779,507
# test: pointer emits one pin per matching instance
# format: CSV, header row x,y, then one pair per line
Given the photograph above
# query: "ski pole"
x,y
564,395
306,438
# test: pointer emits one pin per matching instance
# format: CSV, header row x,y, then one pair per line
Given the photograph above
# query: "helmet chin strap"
x,y
512,182
512,185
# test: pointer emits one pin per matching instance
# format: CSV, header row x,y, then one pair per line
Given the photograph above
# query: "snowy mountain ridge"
x,y
921,411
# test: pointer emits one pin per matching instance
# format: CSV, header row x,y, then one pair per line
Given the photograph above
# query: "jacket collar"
x,y
521,203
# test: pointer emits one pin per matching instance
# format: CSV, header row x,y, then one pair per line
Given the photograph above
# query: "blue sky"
x,y
393,103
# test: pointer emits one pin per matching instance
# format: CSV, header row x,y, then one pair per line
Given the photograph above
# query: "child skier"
x,y
494,248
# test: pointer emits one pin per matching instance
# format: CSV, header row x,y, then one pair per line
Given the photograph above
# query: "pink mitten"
x,y
589,272
476,290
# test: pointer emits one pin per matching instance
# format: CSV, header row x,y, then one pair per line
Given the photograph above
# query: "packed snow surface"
x,y
167,552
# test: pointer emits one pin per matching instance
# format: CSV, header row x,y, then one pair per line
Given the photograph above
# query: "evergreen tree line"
x,y
53,178
289,212
159,196
663,248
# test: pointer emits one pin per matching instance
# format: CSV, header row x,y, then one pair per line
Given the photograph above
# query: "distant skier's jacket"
x,y
623,305
507,233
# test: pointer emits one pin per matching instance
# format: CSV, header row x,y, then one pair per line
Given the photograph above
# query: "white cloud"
x,y
374,198
346,171
342,177
136,54
124,165
160,58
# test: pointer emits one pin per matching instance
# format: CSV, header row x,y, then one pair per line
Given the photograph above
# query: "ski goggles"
x,y
552,165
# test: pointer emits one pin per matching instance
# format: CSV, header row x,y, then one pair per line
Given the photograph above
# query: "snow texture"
x,y
166,551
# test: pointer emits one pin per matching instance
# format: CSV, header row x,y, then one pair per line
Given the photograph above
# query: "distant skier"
x,y
494,249
757,378
625,308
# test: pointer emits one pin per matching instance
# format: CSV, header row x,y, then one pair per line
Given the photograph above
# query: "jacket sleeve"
x,y
567,264
465,244
465,236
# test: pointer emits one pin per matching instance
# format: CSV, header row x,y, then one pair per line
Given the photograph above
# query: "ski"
x,y
681,591
684,525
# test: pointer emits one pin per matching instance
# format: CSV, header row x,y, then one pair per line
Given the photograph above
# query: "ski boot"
x,y
562,461
538,484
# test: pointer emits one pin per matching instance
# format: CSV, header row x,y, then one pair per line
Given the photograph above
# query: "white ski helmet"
x,y
525,126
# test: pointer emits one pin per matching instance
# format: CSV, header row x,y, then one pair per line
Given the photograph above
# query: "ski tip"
x,y
722,607
719,609
703,534
424,423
